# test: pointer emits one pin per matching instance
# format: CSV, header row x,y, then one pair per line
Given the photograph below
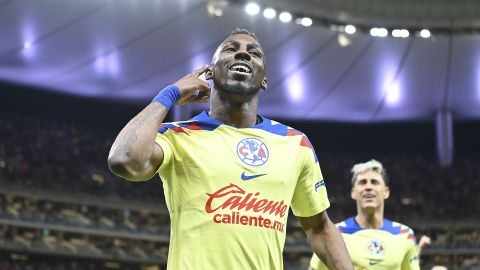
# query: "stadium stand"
x,y
61,208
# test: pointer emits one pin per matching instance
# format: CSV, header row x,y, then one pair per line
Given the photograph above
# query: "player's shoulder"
x,y
343,223
348,226
176,127
395,225
278,128
281,129
287,132
397,228
199,122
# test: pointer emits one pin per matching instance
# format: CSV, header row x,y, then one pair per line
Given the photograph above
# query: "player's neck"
x,y
370,218
234,112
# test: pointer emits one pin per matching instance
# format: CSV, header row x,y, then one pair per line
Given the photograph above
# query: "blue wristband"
x,y
168,96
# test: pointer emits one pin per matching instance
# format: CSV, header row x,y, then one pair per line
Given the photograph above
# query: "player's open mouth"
x,y
368,196
240,68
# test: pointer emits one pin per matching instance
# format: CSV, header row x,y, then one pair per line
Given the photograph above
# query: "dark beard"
x,y
237,88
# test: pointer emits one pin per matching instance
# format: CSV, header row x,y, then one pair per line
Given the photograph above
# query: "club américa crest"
x,y
252,152
376,248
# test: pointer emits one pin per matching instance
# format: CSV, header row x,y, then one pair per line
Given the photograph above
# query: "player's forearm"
x,y
131,152
328,244
134,155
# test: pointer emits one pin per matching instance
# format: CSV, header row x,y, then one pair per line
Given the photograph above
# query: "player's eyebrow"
x,y
251,45
230,42
255,46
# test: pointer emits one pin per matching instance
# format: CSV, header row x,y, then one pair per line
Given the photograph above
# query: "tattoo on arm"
x,y
130,136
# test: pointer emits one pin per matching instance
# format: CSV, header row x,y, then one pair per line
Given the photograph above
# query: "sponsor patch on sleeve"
x,y
319,184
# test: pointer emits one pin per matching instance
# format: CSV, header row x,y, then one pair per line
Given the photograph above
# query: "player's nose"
x,y
242,55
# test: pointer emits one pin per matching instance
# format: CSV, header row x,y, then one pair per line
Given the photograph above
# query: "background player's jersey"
x,y
228,191
391,247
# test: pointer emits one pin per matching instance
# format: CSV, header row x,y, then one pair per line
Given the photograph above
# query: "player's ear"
x,y
352,194
386,192
209,73
264,84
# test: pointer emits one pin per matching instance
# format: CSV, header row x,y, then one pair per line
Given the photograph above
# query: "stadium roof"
x,y
129,49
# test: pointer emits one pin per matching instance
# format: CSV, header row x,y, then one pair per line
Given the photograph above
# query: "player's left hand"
x,y
192,88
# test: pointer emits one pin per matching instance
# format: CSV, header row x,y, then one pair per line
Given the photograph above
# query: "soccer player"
x,y
229,175
373,241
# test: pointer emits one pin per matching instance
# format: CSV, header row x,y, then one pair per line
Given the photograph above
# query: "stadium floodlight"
x,y
306,21
400,33
382,32
252,8
285,17
393,94
425,33
343,40
269,13
350,29
27,45
404,33
378,32
396,33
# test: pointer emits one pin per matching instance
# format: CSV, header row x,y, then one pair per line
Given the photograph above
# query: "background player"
x,y
373,241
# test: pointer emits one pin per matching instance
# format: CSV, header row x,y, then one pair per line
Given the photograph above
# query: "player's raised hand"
x,y
192,88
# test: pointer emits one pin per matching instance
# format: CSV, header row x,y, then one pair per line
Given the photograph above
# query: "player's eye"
x,y
229,49
256,53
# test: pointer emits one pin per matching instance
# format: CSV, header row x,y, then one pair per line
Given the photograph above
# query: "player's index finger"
x,y
204,86
200,71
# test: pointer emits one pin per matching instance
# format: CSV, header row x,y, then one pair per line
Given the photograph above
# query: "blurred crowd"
x,y
451,262
76,244
23,262
67,159
80,215
64,157
45,154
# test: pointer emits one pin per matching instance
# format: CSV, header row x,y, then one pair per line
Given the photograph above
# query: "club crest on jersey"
x,y
376,248
252,152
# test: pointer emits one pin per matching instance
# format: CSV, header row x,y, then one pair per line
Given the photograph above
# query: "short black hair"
x,y
239,31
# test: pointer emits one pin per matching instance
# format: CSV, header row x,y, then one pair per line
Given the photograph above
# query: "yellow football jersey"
x,y
391,247
229,190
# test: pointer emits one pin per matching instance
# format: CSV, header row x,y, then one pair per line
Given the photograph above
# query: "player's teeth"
x,y
241,68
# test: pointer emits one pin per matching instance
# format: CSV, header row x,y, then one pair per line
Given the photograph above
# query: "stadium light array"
x,y
253,8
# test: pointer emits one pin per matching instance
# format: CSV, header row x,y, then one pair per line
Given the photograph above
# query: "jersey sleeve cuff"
x,y
167,150
313,211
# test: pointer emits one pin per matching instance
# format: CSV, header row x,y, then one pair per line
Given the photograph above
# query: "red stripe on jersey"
x,y
305,142
292,133
179,130
194,126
